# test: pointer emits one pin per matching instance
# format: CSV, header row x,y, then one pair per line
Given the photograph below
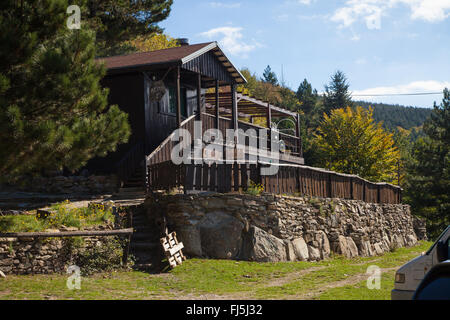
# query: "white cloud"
x,y
231,39
225,5
371,11
413,87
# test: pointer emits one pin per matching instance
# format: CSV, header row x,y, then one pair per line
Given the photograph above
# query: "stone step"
x,y
143,229
144,246
131,190
148,237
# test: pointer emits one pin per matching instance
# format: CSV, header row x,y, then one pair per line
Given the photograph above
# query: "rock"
x,y
324,245
314,253
221,235
378,248
345,246
300,249
261,246
411,240
340,246
365,249
190,236
2,275
353,249
290,253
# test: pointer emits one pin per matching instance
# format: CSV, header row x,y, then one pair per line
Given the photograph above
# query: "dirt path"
x,y
352,280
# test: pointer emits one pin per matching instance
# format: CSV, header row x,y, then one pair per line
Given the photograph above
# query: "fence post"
x,y
329,191
378,194
364,191
351,189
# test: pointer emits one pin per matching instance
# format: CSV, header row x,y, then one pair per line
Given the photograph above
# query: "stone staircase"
x,y
134,187
145,245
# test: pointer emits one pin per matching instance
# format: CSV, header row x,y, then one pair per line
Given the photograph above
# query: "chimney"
x,y
183,41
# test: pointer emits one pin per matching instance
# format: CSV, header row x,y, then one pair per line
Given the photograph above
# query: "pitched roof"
x,y
180,55
154,57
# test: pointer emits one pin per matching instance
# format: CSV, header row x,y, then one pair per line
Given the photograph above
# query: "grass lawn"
x,y
337,278
62,214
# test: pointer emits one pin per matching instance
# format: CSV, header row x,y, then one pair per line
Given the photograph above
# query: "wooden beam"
x,y
67,234
178,96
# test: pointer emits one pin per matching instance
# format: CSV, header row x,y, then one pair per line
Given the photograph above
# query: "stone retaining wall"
x,y
277,228
47,255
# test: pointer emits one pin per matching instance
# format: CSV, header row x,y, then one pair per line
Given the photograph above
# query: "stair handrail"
x,y
167,140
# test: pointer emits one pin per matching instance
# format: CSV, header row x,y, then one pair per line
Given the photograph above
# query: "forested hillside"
x,y
394,116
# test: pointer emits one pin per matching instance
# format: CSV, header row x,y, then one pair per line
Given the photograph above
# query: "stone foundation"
x,y
277,228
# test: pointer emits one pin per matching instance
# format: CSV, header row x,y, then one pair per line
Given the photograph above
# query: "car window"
x,y
434,244
438,289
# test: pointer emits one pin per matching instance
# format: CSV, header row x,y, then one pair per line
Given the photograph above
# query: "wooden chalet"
x,y
172,88
167,89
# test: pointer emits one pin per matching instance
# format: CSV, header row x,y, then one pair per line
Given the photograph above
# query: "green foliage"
x,y
53,111
255,189
349,141
269,76
119,21
428,180
394,116
62,214
308,99
157,41
337,95
103,258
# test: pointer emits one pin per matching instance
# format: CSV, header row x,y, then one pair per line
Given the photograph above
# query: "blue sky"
x,y
383,46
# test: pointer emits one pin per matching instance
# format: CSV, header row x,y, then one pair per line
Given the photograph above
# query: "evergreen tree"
x,y
118,21
337,95
53,112
269,76
308,99
428,181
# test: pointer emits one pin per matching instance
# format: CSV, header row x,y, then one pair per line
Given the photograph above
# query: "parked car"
x,y
410,275
436,284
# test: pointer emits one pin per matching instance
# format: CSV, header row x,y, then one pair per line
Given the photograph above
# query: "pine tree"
x,y
118,21
53,112
337,95
269,76
428,180
308,99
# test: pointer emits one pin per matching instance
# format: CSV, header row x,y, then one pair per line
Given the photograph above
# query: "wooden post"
x,y
234,108
299,141
199,97
178,96
217,105
269,125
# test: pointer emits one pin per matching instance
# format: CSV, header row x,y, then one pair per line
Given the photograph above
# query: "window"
x,y
173,101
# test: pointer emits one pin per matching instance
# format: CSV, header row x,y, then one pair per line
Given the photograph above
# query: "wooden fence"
x,y
290,179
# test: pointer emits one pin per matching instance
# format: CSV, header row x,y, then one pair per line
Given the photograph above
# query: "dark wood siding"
x,y
126,91
160,122
208,65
